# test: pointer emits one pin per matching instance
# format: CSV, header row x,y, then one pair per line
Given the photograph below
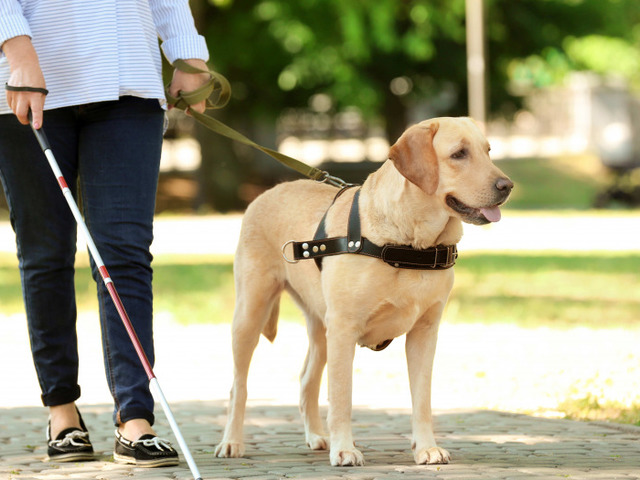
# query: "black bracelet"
x,y
11,88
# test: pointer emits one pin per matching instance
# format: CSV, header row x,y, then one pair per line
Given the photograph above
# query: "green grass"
x,y
554,184
199,293
590,408
597,290
543,289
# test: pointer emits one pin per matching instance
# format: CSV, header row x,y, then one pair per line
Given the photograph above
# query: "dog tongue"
x,y
491,213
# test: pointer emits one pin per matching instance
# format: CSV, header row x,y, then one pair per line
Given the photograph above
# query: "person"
x,y
90,72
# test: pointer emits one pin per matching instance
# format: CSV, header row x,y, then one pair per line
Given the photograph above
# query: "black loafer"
x,y
147,451
71,445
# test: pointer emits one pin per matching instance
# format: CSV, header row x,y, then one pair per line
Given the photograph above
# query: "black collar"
x,y
439,257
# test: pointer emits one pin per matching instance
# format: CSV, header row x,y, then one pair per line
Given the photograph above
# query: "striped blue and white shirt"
x,y
99,50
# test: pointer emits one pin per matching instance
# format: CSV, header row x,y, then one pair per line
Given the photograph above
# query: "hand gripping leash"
x,y
153,381
216,93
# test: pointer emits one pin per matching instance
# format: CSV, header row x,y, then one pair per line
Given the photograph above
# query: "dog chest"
x,y
406,303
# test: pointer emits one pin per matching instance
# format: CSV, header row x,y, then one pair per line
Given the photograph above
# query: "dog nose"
x,y
504,185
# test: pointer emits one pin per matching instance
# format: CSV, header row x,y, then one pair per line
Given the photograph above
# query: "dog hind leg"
x,y
256,305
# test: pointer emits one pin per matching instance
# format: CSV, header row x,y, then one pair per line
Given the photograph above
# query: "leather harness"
x,y
439,257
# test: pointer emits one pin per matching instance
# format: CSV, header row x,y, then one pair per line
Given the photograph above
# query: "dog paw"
x,y
346,458
317,442
426,456
229,450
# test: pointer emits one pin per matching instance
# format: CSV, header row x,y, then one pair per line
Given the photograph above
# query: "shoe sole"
x,y
160,462
71,457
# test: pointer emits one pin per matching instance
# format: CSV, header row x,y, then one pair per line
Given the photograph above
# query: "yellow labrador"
x,y
438,174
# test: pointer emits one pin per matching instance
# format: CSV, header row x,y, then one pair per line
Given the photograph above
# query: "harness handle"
x,y
217,92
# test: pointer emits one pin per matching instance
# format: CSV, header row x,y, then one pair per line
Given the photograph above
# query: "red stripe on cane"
x,y
130,330
104,274
62,182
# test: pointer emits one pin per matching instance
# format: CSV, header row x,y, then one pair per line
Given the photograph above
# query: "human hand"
x,y
188,82
25,72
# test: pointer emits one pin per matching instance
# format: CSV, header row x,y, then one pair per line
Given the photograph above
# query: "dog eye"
x,y
460,154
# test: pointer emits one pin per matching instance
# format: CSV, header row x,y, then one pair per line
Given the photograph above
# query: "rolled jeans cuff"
x,y
134,413
61,396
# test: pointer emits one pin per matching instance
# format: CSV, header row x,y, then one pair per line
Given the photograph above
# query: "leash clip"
x,y
335,181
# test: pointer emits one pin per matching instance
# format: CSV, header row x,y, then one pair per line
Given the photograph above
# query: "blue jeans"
x,y
111,152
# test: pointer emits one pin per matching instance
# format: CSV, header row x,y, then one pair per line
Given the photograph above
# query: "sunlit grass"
x,y
555,290
597,289
555,183
591,408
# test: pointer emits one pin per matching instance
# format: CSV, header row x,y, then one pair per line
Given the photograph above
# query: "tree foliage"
x,y
556,37
388,56
279,52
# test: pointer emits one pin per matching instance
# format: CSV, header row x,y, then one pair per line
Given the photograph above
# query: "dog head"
x,y
449,158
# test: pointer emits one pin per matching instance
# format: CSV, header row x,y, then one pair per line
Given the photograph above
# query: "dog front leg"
x,y
341,345
420,350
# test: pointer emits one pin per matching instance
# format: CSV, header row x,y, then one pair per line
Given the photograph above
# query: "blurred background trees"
x,y
392,62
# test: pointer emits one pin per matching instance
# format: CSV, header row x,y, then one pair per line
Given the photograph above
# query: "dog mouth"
x,y
473,215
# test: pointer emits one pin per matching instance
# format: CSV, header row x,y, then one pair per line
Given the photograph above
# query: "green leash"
x,y
217,93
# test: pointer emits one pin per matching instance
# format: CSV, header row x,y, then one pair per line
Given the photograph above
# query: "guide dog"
x,y
438,175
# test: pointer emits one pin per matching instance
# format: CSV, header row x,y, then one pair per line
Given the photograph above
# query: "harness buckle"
x,y
452,255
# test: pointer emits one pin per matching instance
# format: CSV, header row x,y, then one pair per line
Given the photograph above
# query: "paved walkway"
x,y
482,373
484,445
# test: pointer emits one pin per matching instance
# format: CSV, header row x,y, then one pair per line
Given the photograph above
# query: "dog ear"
x,y
415,158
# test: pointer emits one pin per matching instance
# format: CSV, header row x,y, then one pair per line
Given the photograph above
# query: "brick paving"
x,y
484,445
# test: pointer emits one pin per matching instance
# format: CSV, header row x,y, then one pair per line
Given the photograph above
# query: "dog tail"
x,y
271,327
